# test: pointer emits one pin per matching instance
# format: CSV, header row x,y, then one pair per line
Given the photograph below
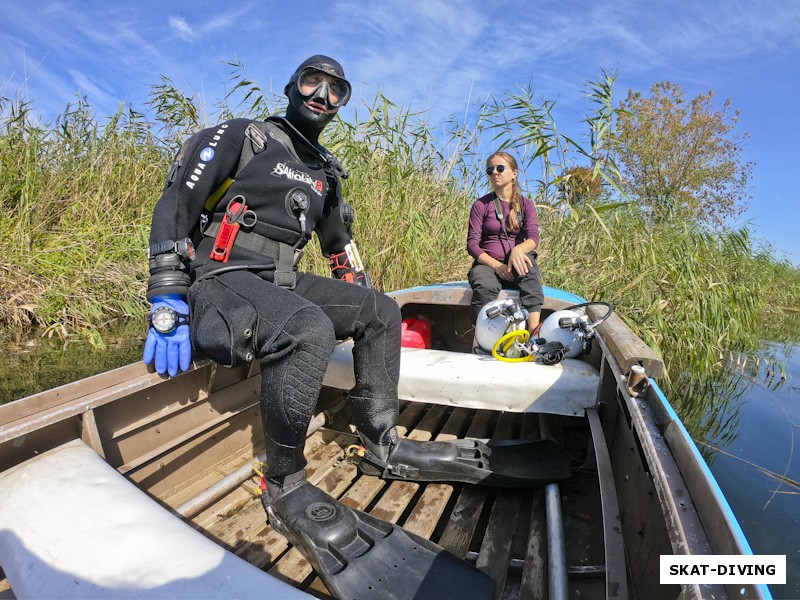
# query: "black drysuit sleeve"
x,y
334,230
205,162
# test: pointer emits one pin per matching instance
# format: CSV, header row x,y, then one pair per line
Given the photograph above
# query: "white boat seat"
x,y
473,381
73,527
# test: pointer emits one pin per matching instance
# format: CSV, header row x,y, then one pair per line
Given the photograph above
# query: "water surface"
x,y
754,453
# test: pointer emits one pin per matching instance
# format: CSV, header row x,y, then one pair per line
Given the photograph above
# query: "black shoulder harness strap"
x,y
256,142
258,134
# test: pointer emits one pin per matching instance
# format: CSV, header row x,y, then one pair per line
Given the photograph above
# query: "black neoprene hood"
x,y
311,122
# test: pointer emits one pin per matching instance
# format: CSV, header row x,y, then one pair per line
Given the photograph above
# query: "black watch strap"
x,y
160,248
183,247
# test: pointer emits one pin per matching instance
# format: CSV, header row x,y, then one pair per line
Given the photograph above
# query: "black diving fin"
x,y
503,463
360,557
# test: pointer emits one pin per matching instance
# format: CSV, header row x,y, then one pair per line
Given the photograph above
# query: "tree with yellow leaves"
x,y
681,159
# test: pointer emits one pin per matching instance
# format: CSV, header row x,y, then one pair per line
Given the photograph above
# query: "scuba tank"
x,y
501,331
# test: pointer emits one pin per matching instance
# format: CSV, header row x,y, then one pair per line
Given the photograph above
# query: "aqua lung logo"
x,y
283,170
206,154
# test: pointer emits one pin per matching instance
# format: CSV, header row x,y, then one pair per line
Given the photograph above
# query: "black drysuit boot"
x,y
506,463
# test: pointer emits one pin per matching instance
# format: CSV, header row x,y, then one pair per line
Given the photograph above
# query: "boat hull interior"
x,y
193,445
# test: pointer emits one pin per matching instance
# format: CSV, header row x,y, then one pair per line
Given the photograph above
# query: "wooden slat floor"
x,y
503,532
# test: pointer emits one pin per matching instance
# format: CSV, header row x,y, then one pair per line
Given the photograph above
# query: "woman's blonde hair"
x,y
516,193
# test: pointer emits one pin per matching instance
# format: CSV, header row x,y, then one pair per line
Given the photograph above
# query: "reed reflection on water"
x,y
747,427
34,364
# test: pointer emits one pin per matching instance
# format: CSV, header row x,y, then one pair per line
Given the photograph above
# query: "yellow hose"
x,y
354,452
507,341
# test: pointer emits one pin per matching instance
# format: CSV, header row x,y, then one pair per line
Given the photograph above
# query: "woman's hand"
x,y
519,260
504,272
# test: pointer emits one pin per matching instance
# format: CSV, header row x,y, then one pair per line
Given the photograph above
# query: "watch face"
x,y
164,319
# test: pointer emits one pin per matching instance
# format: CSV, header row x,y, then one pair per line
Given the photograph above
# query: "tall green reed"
x,y
77,196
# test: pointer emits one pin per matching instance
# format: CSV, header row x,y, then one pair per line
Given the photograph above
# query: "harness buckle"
x,y
285,279
257,138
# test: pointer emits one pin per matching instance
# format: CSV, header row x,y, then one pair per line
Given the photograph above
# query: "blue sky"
x,y
437,56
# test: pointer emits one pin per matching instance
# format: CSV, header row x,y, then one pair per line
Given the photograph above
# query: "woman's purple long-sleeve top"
x,y
485,234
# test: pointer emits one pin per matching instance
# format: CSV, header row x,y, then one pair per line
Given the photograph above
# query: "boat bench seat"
x,y
71,526
474,381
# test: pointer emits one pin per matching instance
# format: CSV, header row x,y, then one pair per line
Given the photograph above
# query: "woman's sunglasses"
x,y
500,169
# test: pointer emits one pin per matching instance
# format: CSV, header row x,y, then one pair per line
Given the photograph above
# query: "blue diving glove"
x,y
168,339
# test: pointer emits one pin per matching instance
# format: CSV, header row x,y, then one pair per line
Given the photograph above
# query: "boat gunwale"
x,y
672,460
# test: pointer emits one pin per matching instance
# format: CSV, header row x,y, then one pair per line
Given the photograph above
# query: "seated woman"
x,y
502,238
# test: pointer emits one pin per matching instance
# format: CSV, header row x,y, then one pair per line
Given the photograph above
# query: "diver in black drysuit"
x,y
236,296
237,313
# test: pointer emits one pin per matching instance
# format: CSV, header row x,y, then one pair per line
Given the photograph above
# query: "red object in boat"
x,y
415,333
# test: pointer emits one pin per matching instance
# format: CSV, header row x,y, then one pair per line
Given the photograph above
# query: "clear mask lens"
x,y
310,80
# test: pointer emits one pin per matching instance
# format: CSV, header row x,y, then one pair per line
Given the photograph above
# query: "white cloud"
x,y
415,53
182,28
89,88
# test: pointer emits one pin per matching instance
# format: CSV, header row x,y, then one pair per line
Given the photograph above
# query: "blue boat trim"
x,y
733,522
559,294
549,291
